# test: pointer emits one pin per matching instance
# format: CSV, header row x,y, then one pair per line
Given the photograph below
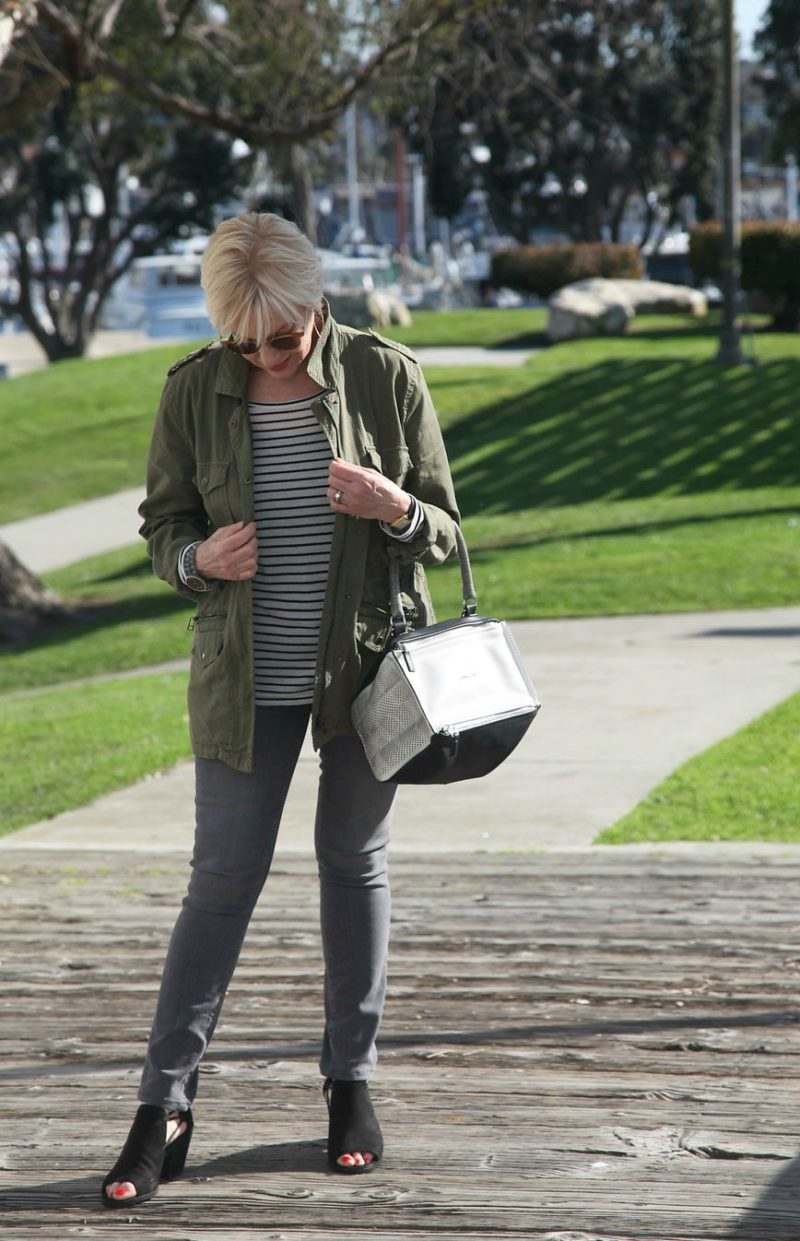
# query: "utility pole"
x,y
400,184
791,189
730,344
353,213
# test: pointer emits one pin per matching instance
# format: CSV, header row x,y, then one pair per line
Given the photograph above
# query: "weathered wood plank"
x,y
578,1047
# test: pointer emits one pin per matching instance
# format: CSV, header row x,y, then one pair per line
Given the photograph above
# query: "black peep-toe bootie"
x,y
352,1125
147,1157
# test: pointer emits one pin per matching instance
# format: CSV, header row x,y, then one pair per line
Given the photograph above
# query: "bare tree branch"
x,y
180,20
95,59
108,20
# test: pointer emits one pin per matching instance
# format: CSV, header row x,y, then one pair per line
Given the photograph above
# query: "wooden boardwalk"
x,y
576,1047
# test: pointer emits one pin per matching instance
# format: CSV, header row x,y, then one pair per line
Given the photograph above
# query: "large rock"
x,y
653,297
606,307
578,310
368,307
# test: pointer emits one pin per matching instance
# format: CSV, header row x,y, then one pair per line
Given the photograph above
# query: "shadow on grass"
x,y
141,569
630,429
487,546
525,340
86,619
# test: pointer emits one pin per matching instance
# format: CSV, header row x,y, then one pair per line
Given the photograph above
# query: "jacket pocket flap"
x,y
209,639
394,462
210,474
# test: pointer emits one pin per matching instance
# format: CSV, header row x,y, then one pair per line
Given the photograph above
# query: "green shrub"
x,y
770,265
543,270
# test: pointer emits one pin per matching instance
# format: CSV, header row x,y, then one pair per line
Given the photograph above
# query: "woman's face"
x,y
283,363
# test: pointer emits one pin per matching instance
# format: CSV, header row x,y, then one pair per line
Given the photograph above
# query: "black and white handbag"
x,y
448,702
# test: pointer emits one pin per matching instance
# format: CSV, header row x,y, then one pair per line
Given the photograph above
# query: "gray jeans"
x,y
238,814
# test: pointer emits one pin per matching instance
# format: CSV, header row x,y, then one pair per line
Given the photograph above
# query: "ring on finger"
x,y
338,496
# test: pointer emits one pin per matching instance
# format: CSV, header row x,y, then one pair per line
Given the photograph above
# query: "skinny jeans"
x,y
237,819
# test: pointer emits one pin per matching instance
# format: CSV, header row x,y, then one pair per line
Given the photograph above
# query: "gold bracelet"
x,y
398,521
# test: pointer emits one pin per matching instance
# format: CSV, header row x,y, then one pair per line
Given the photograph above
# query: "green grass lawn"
x,y
611,415
623,475
744,788
59,749
486,328
78,429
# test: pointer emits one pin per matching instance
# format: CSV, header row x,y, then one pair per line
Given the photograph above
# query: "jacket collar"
x,y
323,362
232,374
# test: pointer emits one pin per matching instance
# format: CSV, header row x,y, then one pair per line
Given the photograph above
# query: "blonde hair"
x,y
259,274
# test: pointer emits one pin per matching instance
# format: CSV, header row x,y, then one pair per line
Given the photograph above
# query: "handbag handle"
x,y
399,623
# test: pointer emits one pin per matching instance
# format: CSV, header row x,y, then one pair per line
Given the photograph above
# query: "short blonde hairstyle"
x,y
259,274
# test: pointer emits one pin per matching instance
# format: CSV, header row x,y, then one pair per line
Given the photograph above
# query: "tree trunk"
x,y
303,192
27,606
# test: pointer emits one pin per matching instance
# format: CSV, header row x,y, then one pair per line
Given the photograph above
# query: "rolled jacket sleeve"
x,y
428,480
173,515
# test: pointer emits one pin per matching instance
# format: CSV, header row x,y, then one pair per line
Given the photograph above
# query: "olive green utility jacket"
x,y
376,411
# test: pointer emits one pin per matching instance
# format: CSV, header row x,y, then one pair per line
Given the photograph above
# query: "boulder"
x,y
577,311
368,307
654,297
387,308
606,307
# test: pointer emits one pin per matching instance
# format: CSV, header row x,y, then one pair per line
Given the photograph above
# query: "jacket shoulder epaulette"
x,y
393,344
193,356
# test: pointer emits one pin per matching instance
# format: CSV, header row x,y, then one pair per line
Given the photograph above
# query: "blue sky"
x,y
749,14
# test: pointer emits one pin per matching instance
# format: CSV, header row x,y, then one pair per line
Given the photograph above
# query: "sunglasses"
x,y
285,342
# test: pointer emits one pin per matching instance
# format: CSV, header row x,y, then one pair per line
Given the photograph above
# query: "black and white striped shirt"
x,y
294,528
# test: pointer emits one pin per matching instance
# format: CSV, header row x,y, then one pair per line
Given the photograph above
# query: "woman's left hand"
x,y
363,492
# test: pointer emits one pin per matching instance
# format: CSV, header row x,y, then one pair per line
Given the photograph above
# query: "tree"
x,y
580,105
98,97
27,606
100,94
778,44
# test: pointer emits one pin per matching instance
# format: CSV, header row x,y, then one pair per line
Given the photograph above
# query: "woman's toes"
x,y
356,1160
121,1189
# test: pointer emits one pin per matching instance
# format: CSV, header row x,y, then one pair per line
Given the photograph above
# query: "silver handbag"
x,y
448,702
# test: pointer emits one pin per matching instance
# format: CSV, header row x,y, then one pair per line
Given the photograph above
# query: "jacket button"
x,y
204,482
234,423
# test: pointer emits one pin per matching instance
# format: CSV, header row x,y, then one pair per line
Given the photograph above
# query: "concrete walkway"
x,y
626,700
52,540
20,353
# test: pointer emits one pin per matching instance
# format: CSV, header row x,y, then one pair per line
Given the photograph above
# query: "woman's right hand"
x,y
230,553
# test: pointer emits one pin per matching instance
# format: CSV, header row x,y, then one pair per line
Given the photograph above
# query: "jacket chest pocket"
x,y
212,483
394,462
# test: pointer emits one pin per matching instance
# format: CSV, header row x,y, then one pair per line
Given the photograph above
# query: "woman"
x,y
289,462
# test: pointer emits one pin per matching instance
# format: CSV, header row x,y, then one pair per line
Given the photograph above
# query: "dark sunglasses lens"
x,y
282,343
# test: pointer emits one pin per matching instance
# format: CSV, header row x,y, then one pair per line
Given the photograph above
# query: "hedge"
x,y
542,270
770,263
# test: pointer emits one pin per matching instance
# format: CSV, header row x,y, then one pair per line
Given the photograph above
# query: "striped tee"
x,y
294,528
